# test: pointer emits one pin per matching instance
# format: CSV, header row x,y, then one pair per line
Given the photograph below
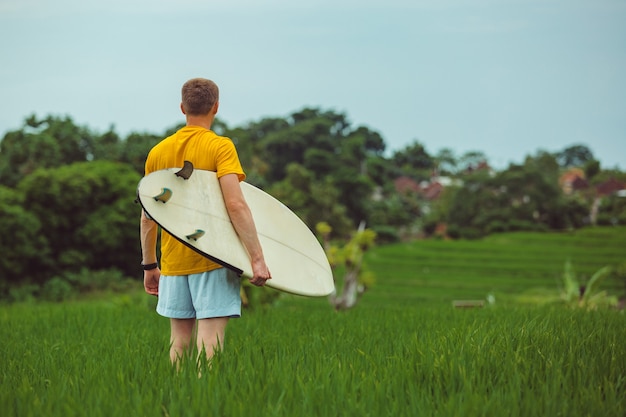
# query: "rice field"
x,y
402,351
506,265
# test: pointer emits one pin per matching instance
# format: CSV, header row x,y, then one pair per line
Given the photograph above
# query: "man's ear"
x,y
182,109
215,107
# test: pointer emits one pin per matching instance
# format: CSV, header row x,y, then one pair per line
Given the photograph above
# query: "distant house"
x,y
573,180
580,184
405,185
605,189
432,191
610,186
429,190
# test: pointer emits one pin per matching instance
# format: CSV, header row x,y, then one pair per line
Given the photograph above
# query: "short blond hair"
x,y
199,95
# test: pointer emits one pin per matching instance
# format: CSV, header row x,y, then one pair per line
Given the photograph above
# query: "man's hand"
x,y
151,281
260,273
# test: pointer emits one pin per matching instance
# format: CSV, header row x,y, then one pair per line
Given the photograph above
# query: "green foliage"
x,y
334,156
69,285
386,234
101,280
90,219
45,143
592,168
24,249
20,293
413,160
65,205
574,156
471,160
612,211
57,289
351,254
134,150
519,198
21,153
312,200
348,258
587,295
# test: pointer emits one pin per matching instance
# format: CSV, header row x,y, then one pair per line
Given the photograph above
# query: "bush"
x,y
21,293
519,225
470,233
606,219
429,226
57,289
68,285
386,234
497,226
540,227
453,231
87,280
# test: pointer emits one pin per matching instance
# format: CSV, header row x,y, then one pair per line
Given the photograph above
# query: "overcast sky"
x,y
505,77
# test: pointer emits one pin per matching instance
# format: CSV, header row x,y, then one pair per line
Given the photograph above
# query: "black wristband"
x,y
150,267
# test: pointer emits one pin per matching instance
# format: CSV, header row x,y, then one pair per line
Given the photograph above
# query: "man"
x,y
198,295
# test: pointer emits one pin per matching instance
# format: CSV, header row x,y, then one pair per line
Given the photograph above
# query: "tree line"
x,y
67,192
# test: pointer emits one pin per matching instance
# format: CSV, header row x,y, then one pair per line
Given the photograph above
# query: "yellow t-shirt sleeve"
x,y
227,160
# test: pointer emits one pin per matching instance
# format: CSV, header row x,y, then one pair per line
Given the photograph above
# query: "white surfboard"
x,y
193,211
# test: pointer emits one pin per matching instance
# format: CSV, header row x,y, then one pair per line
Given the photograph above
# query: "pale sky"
x,y
505,77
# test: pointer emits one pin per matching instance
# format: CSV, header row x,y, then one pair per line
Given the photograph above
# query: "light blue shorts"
x,y
201,296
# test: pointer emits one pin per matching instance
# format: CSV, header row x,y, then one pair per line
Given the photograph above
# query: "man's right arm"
x,y
241,217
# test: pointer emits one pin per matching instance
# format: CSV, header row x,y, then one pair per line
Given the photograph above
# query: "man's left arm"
x,y
148,237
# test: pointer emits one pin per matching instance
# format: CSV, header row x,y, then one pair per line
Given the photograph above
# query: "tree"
x,y
312,200
592,168
25,250
445,161
470,160
574,156
544,162
22,153
414,161
46,143
280,149
325,145
471,206
135,150
107,146
89,215
310,129
522,197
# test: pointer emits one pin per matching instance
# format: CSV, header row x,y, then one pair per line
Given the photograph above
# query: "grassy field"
x,y
402,351
507,265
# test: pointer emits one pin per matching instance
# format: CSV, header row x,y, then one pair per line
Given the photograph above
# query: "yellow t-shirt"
x,y
206,151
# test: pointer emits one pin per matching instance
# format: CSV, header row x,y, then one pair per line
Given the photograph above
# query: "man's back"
x,y
206,151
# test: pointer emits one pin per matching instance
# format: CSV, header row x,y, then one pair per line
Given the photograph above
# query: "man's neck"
x,y
204,121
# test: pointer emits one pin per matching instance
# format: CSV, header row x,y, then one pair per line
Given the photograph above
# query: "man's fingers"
x,y
259,281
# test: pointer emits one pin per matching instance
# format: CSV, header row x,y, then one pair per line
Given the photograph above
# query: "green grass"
x,y
436,271
105,359
402,351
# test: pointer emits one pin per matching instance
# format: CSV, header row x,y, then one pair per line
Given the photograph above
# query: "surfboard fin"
x,y
164,196
195,235
186,171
